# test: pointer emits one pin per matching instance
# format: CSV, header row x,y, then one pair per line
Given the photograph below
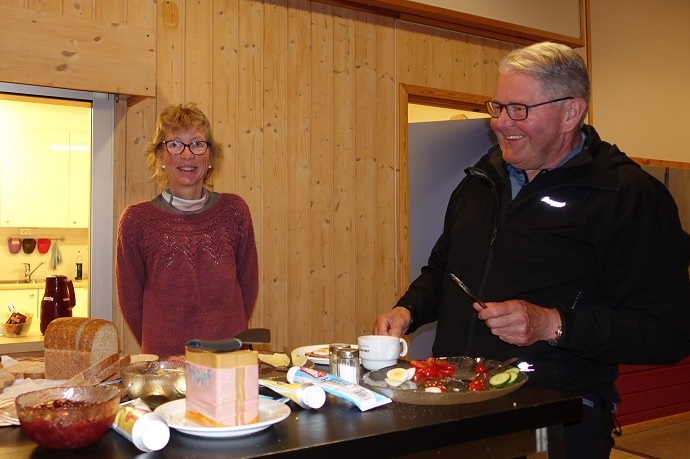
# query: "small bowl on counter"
x,y
67,417
17,330
155,382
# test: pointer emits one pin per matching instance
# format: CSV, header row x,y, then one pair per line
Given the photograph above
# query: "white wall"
x,y
11,266
641,76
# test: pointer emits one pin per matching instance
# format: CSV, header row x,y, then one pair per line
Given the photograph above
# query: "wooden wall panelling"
x,y
198,53
387,186
251,155
225,90
133,181
108,10
321,257
303,96
170,63
344,180
367,101
299,80
63,51
273,310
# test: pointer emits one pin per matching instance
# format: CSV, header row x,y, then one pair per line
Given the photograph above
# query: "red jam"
x,y
60,428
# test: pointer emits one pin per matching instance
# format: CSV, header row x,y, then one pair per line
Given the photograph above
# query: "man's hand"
x,y
519,322
394,322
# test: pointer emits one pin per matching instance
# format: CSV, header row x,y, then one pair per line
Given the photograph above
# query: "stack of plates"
x,y
8,413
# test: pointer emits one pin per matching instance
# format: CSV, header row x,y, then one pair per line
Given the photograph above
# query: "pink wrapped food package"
x,y
222,387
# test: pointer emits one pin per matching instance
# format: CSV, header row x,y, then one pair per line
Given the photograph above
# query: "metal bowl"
x,y
67,417
155,382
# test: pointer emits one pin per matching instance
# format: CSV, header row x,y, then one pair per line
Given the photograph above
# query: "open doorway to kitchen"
x,y
56,166
441,133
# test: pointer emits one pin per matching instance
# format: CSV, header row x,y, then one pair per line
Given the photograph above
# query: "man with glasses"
x,y
577,253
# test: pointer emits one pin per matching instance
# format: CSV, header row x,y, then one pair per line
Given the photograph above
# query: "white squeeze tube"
x,y
306,395
362,397
136,422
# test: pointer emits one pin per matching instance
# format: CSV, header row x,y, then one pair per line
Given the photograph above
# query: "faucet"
x,y
28,272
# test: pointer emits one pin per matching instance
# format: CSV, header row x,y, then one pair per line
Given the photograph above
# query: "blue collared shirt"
x,y
518,177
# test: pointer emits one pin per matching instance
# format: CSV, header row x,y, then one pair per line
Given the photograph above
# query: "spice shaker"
x,y
333,357
348,365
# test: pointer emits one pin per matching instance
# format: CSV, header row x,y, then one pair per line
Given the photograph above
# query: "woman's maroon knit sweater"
x,y
186,276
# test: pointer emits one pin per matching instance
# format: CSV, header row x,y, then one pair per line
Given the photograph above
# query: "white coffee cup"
x,y
378,351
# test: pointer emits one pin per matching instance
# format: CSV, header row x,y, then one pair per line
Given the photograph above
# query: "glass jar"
x,y
333,357
348,365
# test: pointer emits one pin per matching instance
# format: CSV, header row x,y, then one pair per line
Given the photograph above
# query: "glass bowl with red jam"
x,y
67,417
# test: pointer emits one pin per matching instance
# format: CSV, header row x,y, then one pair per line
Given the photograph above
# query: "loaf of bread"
x,y
73,344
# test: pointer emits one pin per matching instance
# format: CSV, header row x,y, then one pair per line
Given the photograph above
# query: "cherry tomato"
x,y
418,363
431,362
441,363
447,371
480,368
477,385
418,377
432,373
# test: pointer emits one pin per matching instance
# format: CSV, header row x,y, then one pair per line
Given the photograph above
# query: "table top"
x,y
340,428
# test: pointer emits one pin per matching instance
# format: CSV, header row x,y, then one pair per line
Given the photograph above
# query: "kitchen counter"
x,y
526,421
40,285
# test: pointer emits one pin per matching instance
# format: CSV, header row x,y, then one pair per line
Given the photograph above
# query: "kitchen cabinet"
x,y
29,300
45,178
81,309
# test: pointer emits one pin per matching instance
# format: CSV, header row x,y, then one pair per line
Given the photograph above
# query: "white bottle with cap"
x,y
305,395
136,422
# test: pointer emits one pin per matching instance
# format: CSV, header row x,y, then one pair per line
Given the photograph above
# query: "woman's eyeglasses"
x,y
175,147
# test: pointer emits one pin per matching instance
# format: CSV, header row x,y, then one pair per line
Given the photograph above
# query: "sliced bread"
x,y
28,369
73,344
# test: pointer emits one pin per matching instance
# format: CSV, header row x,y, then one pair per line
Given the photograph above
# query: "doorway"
x,y
99,228
439,137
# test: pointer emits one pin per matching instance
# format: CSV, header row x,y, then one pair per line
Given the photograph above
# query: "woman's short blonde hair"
x,y
173,119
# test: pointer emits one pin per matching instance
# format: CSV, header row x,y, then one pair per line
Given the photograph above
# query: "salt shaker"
x,y
333,357
348,365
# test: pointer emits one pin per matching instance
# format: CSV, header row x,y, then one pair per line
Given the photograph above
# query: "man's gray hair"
x,y
560,69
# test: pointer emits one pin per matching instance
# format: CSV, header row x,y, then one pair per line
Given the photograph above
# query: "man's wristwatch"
x,y
557,338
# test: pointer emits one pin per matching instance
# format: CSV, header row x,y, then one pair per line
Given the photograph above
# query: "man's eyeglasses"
x,y
175,147
516,112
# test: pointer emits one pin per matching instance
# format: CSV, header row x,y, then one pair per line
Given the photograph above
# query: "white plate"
x,y
270,412
304,350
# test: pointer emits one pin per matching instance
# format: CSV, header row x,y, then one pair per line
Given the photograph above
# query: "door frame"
x,y
421,95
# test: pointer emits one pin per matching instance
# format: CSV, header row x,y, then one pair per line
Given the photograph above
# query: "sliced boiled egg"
x,y
435,389
394,382
410,372
397,374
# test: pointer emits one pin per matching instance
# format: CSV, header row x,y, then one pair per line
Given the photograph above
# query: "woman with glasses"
x,y
577,253
186,264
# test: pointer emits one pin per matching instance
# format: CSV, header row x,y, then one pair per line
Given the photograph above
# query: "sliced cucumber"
x,y
500,379
513,377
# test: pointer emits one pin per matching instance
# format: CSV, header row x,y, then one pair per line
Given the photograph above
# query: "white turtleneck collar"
x,y
185,205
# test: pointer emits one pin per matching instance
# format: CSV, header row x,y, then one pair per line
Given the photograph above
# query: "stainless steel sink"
x,y
7,282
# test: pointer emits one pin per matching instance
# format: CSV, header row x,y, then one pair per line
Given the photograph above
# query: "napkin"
x,y
55,256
